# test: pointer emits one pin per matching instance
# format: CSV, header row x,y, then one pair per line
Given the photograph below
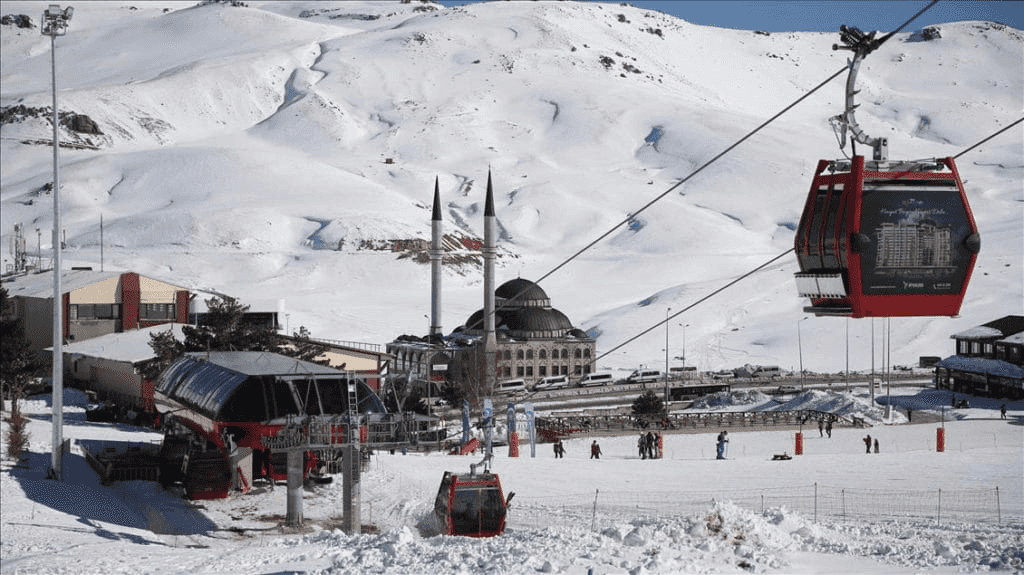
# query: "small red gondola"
x,y
874,242
470,504
882,238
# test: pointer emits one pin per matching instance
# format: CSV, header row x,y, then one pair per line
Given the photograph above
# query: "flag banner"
x,y
488,425
465,421
511,422
531,428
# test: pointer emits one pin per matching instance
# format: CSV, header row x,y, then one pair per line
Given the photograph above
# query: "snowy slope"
x,y
908,509
237,141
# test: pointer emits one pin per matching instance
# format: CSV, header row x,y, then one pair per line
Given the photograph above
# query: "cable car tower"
x,y
882,238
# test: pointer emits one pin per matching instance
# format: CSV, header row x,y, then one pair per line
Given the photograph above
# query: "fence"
x,y
551,428
813,501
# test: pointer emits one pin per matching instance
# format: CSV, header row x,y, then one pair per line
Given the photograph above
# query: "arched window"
x,y
519,354
529,354
586,352
577,353
565,353
507,355
542,354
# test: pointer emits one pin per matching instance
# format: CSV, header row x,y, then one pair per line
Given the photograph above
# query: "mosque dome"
x,y
528,316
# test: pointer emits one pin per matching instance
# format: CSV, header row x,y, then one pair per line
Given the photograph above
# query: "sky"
x,y
827,16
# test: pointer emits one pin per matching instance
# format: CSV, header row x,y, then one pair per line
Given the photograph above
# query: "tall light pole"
x,y
667,311
800,347
55,23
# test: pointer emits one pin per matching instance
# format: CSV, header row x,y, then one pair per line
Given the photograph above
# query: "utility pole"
x,y
55,23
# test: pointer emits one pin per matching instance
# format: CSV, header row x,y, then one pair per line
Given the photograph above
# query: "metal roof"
x,y
263,363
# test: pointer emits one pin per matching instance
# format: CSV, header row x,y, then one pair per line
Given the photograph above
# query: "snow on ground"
x,y
686,513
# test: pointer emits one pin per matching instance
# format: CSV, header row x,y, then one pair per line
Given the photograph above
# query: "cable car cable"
x,y
1019,120
766,264
875,45
698,302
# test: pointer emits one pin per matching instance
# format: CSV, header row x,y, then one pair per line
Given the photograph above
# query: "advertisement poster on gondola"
x,y
918,230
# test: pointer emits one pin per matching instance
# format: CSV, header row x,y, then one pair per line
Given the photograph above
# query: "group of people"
x,y
649,445
825,427
868,443
559,449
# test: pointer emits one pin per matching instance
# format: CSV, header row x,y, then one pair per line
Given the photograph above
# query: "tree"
x,y
225,328
648,404
18,363
303,347
167,349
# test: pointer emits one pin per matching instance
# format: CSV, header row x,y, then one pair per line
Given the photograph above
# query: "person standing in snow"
x,y
828,428
723,438
876,445
867,444
1002,411
641,446
821,427
650,445
595,450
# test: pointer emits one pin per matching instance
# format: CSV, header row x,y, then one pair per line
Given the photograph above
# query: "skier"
x,y
650,445
821,427
641,446
867,444
722,440
595,450
828,429
1002,411
876,445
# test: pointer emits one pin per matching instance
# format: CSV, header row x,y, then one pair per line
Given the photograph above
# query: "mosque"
x,y
516,335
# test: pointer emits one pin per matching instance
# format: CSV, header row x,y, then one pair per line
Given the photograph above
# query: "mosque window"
x,y
577,353
542,354
529,354
519,354
565,353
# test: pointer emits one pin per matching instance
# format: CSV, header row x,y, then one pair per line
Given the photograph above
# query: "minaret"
x,y
435,264
490,340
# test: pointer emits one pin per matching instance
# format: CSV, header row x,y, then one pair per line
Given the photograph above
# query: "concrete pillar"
x,y
293,518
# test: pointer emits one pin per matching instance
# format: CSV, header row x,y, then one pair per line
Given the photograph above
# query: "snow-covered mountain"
x,y
281,150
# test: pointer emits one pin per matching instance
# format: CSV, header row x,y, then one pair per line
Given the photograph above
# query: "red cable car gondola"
x,y
879,238
471,504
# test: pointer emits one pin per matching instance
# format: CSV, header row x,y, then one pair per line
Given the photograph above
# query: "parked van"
x,y
645,376
553,382
511,386
593,379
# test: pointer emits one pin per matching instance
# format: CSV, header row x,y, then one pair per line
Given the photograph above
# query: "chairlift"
x,y
881,238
